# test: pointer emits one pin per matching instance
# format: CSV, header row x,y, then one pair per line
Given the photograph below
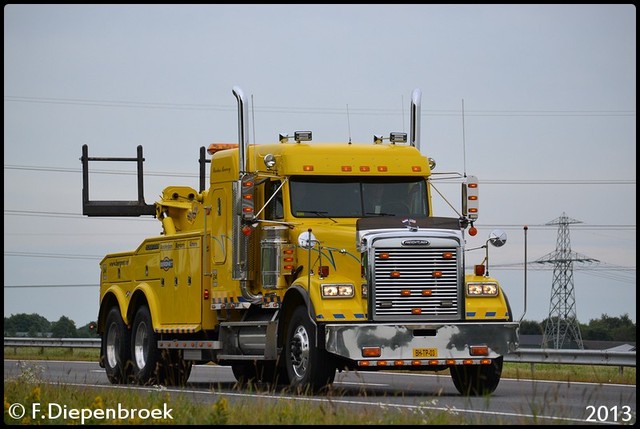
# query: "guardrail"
x,y
573,357
562,356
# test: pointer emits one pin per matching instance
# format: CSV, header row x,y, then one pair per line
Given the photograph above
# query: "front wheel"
x,y
306,364
477,380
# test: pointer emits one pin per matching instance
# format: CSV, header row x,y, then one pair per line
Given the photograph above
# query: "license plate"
x,y
425,353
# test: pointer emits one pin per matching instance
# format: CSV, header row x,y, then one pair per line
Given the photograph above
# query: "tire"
x,y
477,380
145,355
116,348
307,366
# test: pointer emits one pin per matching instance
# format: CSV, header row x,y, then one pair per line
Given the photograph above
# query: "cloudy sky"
x,y
549,126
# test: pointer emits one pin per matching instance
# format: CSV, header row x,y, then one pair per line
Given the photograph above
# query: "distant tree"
x,y
64,328
9,330
530,327
32,325
610,329
596,332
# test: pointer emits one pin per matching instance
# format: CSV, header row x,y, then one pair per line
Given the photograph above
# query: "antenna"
x,y
348,123
464,145
402,97
253,124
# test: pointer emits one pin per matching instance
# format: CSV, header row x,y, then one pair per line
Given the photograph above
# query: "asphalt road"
x,y
513,402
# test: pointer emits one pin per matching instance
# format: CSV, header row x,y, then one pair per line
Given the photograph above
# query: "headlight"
x,y
337,290
482,289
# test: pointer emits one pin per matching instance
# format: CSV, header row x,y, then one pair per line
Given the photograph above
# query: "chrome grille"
x,y
405,288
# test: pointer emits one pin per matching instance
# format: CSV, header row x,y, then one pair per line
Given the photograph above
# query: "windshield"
x,y
330,196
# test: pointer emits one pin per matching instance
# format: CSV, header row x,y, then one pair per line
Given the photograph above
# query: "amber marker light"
x,y
427,292
364,168
384,256
416,168
215,147
405,292
346,168
416,311
479,351
371,351
437,274
307,168
447,255
394,274
382,168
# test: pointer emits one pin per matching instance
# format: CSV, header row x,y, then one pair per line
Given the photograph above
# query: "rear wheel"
x,y
116,348
477,380
144,350
307,365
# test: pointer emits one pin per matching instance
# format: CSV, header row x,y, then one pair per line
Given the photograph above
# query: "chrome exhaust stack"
x,y
415,118
241,242
243,127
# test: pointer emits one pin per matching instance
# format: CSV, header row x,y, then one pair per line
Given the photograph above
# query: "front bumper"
x,y
443,341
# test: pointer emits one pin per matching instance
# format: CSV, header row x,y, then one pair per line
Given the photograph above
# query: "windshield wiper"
x,y
379,214
317,213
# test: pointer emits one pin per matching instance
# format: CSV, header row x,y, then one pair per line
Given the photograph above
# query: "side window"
x,y
274,208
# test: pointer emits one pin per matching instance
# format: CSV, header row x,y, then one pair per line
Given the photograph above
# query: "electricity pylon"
x,y
562,329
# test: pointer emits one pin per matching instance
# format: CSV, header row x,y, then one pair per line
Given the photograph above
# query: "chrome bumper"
x,y
398,341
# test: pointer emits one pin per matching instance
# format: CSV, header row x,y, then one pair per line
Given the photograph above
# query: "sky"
x,y
537,101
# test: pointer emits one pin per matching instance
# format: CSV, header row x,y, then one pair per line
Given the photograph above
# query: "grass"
x,y
47,403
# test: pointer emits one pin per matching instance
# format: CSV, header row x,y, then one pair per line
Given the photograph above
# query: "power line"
x,y
532,227
113,172
48,286
313,110
52,255
67,215
484,182
622,227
